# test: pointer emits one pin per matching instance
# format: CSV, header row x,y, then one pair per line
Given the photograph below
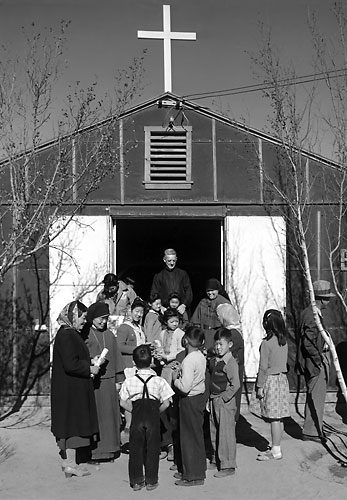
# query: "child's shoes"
x,y
184,482
224,472
268,455
138,486
150,487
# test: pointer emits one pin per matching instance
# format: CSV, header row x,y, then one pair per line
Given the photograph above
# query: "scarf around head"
x,y
228,316
70,313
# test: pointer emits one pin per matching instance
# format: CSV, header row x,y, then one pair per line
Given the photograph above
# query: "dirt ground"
x,y
30,466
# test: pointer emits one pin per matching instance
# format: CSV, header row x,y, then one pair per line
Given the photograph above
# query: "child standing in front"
x,y
152,325
170,345
224,384
190,381
170,342
145,395
272,388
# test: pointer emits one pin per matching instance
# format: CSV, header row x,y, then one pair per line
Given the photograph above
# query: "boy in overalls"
x,y
145,395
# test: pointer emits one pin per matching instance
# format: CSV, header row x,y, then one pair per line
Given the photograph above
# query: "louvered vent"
x,y
168,156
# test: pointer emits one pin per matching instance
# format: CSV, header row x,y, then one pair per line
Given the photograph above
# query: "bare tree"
x,y
332,55
41,182
44,184
288,188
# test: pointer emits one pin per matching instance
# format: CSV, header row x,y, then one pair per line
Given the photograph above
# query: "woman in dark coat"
x,y
74,417
205,314
106,383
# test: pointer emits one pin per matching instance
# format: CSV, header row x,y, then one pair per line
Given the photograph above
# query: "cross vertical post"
x,y
167,35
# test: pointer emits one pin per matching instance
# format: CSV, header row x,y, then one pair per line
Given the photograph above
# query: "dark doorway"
x,y
141,245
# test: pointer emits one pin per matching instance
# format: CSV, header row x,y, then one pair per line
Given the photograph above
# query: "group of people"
x,y
160,371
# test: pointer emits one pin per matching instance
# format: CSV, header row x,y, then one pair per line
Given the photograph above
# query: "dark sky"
x,y
103,36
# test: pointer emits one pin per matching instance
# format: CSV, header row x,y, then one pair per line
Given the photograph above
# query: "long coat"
x,y
177,280
205,315
106,394
311,343
72,396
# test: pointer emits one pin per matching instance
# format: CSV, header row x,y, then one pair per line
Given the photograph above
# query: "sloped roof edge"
x,y
188,104
228,121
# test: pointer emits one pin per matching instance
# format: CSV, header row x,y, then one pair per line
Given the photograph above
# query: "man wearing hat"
x,y
313,361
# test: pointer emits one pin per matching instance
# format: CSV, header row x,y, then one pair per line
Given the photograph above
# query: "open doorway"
x,y
140,245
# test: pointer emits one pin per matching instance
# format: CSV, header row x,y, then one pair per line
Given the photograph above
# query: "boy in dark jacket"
x,y
224,383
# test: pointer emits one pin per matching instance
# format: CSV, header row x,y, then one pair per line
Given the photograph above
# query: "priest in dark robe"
x,y
172,279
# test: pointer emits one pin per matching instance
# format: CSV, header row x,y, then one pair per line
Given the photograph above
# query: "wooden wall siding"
x,y
121,162
221,170
324,183
214,161
275,168
33,288
109,190
238,173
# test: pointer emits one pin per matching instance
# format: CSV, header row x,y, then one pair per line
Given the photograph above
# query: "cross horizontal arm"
x,y
150,34
163,35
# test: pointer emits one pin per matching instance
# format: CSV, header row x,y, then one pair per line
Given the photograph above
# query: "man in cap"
x,y
172,279
314,362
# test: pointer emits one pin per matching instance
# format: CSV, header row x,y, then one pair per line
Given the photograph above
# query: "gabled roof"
x,y
185,104
223,119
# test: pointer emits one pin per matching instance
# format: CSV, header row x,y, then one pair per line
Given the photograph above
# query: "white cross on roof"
x,y
167,35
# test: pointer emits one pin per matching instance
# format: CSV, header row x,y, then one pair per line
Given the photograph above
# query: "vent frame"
x,y
168,158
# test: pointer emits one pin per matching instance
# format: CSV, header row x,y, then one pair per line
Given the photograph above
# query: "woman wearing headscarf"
x,y
106,383
205,314
73,409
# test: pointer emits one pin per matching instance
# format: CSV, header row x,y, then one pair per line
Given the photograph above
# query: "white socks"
x,y
276,451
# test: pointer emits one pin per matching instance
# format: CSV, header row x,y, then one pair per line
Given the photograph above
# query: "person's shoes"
x,y
170,453
268,455
76,471
224,472
67,464
173,467
125,448
138,486
184,482
150,487
316,439
178,475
